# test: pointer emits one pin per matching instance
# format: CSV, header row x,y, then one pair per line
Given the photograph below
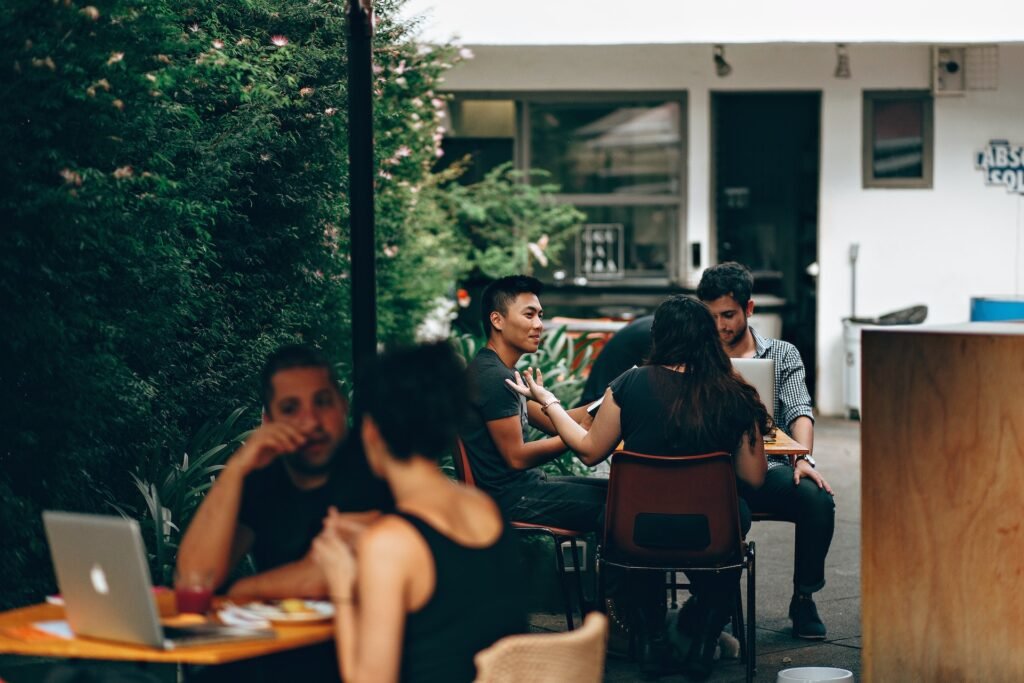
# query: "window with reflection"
x,y
897,139
481,129
619,158
601,148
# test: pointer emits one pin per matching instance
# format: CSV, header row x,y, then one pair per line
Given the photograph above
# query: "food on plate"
x,y
295,606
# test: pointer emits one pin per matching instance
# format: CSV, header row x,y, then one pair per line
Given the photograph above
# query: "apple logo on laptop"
x,y
99,580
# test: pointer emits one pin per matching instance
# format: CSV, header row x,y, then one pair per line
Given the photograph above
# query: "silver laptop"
x,y
760,374
104,579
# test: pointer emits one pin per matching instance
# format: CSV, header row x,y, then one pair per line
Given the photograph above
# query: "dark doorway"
x,y
765,185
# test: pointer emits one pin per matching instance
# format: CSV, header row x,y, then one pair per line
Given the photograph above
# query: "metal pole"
x,y
362,247
854,250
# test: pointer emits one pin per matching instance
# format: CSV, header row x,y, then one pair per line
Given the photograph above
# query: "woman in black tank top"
x,y
427,588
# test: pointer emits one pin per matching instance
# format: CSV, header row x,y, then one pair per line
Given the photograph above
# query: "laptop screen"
x,y
760,374
101,568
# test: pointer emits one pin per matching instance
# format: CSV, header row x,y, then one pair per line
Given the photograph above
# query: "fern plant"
x,y
170,500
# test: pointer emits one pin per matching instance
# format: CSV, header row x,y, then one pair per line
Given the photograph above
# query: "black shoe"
x,y
655,656
806,622
689,618
700,660
621,638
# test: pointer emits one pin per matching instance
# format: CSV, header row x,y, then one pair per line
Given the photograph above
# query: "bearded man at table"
x,y
272,496
794,490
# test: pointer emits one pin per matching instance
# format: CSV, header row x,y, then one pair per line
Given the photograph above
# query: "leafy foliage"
x,y
509,220
175,200
171,499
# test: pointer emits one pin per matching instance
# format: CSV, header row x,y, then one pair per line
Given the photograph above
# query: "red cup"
x,y
193,591
192,599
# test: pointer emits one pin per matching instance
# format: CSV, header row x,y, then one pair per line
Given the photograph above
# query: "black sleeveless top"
x,y
477,600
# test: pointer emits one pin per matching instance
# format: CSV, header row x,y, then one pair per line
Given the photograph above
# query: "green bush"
x,y
175,206
508,221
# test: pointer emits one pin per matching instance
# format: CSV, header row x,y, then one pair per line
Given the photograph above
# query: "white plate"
x,y
318,610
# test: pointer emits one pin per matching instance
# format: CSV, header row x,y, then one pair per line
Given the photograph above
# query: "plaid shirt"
x,y
791,397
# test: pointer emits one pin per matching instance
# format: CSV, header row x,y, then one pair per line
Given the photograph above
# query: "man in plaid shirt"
x,y
792,489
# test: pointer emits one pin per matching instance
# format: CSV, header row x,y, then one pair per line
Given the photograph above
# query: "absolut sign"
x,y
1003,165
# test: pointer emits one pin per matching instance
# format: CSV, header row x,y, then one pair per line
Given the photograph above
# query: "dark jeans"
x,y
814,512
567,502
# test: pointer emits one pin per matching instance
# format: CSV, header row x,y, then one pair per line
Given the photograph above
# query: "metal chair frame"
x,y
742,558
558,535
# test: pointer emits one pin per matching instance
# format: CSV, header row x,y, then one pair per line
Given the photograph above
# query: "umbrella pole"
x,y
362,248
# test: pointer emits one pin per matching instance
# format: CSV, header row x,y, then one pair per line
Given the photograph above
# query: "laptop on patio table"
x,y
101,568
760,374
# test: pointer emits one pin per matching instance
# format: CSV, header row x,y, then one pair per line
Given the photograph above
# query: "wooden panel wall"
x,y
942,447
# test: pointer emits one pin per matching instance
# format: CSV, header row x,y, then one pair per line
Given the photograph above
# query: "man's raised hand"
x,y
266,444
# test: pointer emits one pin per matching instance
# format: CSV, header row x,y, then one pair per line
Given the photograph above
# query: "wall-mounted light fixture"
x,y
722,67
842,61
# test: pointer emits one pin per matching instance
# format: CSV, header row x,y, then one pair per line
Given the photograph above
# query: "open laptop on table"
x,y
760,374
103,576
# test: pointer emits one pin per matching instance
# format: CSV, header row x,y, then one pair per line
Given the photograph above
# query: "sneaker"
x,y
806,622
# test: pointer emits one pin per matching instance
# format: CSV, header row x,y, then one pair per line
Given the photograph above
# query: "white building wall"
x,y
938,247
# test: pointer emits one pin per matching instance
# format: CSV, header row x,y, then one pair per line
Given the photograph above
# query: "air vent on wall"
x,y
948,70
959,68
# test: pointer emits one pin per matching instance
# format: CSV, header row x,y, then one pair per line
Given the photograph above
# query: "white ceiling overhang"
x,y
608,22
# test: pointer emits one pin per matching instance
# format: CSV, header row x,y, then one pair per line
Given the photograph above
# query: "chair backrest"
x,y
666,511
460,458
570,657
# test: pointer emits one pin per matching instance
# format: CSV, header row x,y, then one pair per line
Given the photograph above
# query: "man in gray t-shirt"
x,y
502,460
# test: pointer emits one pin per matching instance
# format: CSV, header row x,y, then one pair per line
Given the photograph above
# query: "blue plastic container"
x,y
997,308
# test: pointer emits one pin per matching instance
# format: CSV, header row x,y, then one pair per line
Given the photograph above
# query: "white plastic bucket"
x,y
814,674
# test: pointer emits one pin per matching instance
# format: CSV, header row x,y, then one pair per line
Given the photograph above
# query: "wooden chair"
x,y
575,657
679,513
464,472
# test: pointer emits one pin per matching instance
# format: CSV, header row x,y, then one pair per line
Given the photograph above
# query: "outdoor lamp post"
x,y
362,248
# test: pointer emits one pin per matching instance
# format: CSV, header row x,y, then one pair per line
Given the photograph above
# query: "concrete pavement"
x,y
837,451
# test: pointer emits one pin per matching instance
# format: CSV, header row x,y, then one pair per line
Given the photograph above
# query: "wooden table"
x,y
17,637
784,444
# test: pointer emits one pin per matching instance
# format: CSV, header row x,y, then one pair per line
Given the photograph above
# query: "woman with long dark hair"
x,y
685,400
432,584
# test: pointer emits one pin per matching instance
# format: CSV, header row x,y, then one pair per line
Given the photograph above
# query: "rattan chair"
x,y
558,535
679,513
573,657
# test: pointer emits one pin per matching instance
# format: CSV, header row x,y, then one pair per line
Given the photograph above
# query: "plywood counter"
x,y
942,447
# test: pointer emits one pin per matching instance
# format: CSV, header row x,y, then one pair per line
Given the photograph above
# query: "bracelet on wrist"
x,y
544,407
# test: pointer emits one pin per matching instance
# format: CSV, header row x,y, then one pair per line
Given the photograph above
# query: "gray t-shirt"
x,y
492,399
